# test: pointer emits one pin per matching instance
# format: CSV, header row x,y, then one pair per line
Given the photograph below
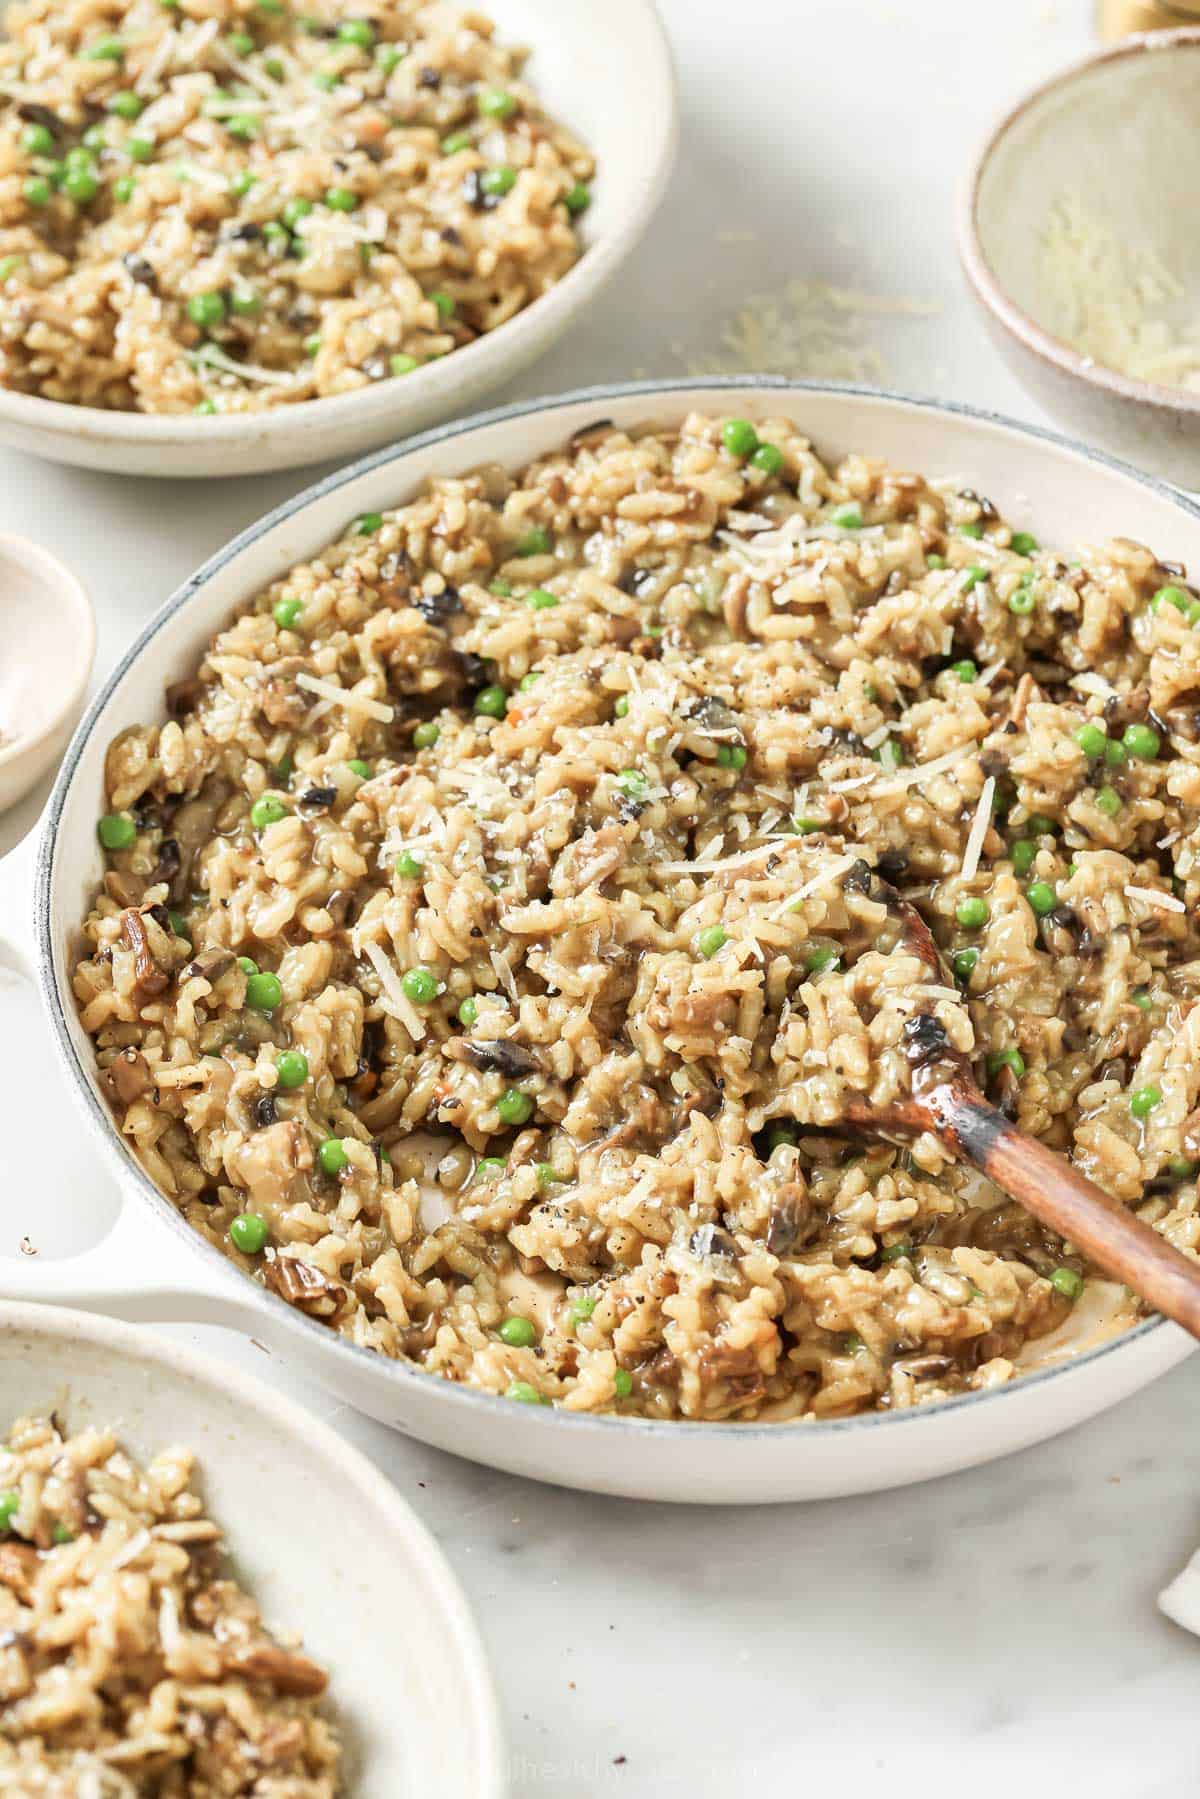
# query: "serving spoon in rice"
x,y
946,1102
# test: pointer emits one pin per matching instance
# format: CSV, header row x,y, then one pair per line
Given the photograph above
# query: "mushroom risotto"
x,y
224,205
495,930
130,1662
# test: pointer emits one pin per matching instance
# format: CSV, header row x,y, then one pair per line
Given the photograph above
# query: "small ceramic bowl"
x,y
321,1540
1118,137
49,636
605,71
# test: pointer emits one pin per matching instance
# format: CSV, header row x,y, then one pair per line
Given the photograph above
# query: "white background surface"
x,y
992,1630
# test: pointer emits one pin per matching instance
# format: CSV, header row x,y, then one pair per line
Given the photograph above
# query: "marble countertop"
x,y
993,1630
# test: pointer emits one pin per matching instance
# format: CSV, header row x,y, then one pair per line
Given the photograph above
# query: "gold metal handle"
x,y
1117,18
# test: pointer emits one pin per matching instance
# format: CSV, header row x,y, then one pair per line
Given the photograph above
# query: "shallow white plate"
x,y
600,66
319,1537
1064,493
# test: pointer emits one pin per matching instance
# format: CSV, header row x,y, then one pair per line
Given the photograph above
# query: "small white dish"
x,y
604,71
49,635
1119,133
322,1541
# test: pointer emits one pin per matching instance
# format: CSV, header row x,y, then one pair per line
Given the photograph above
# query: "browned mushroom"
x,y
306,1287
150,978
281,1669
128,1076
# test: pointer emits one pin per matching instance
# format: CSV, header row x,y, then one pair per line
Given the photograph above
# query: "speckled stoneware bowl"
x,y
1120,130
154,1266
323,1542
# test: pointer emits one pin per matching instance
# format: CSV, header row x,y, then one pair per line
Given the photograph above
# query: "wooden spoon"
x,y
947,1102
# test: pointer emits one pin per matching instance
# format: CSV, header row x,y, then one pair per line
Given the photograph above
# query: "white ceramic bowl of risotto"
x,y
319,1538
1066,494
603,71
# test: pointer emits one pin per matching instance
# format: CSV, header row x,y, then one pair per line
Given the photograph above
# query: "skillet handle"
x,y
143,1271
16,907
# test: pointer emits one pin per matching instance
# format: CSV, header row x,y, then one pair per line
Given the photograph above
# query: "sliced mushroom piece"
x,y
281,1669
306,1287
128,1076
150,978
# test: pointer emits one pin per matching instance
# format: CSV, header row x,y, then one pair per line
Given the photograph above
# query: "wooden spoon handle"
x,y
1047,1185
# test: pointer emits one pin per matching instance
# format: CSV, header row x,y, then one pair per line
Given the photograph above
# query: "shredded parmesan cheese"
x,y
1166,902
343,696
979,830
833,872
393,998
924,771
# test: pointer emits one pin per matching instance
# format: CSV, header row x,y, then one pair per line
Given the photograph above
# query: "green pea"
x,y
1115,754
267,811
621,706
934,561
818,960
37,140
360,768
1091,740
241,43
242,125
426,735
60,1534
495,103
974,576
540,600
1068,1282
634,784
808,827
1023,543
10,1505
577,198
896,1252
468,1012
1142,742
491,1168
291,1068
518,1333
105,49
341,199
326,80
141,149
367,523
457,140
1143,1100
420,985
274,68
294,210
972,913
263,992
739,437
732,755
408,867
206,310
513,1106
123,188
767,459
498,181
1042,898
389,57
964,962
1006,1058
248,1232
286,611
492,702
1038,825
536,542
1142,999
37,190
548,1175
622,1383
332,1155
245,301
357,31
247,964
1022,600
80,185
972,528
1109,802
312,344
965,670
521,1391
444,303
1181,1168
94,138
116,831
9,266
711,939
582,1308
502,589
1022,854
849,518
